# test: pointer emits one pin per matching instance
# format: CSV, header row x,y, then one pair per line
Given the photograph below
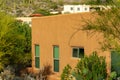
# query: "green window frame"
x,y
37,56
77,52
56,58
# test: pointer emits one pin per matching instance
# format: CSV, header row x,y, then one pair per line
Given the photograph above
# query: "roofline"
x,y
63,15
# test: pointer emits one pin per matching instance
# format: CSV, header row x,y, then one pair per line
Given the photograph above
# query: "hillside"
x,y
25,7
67,0
20,8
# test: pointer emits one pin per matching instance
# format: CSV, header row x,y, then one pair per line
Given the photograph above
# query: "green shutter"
x,y
37,50
37,62
56,65
56,58
56,52
37,56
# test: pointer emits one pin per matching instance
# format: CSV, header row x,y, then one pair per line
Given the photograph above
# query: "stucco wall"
x,y
57,30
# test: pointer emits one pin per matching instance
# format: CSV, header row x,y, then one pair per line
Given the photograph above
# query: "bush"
x,y
42,11
88,68
92,68
66,75
115,62
43,73
113,76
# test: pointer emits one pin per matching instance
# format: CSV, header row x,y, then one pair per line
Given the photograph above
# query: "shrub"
x,y
91,68
115,62
66,75
88,68
43,73
113,76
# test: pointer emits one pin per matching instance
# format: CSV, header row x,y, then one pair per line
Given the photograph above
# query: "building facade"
x,y
75,8
58,41
83,8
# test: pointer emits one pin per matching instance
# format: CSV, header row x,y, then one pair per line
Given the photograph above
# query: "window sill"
x,y
76,58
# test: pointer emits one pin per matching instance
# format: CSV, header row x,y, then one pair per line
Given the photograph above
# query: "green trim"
x,y
56,58
37,62
56,65
37,50
37,56
56,52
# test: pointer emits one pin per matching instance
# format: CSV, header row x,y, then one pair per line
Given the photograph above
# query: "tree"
x,y
15,42
108,23
88,68
5,28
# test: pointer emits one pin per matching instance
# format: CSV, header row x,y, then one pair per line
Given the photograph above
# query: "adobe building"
x,y
58,40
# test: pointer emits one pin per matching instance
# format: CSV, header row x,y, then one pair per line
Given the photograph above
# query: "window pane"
x,y
37,62
85,9
71,8
56,65
75,52
78,9
37,50
81,52
56,52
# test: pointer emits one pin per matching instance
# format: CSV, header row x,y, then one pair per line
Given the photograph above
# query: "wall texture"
x,y
64,31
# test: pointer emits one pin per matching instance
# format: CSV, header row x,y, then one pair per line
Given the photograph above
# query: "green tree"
x,y
108,23
66,75
15,42
91,68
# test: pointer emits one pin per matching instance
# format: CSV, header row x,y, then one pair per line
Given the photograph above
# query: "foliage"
x,y
66,73
9,74
91,68
15,42
42,11
115,62
61,2
43,73
5,28
26,7
107,23
88,68
113,75
98,2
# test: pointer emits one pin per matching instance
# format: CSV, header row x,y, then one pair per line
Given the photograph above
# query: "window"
x,y
71,8
78,9
56,58
78,52
85,9
37,55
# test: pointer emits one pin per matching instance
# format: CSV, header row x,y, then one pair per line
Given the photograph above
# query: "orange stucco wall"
x,y
57,30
